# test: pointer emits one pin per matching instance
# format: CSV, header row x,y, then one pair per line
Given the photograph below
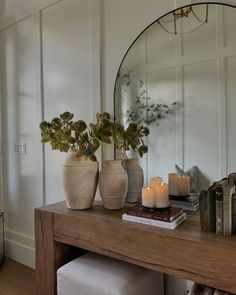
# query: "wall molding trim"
x,y
229,2
20,247
23,11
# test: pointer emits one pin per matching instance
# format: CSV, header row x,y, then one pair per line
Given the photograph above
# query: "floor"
x,y
16,279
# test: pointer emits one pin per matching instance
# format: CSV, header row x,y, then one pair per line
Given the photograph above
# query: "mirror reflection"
x,y
178,78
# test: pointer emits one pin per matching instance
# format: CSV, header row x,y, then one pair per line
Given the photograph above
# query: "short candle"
x,y
179,185
148,197
184,185
173,184
155,181
162,196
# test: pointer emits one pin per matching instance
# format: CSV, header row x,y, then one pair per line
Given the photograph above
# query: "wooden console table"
x,y
185,252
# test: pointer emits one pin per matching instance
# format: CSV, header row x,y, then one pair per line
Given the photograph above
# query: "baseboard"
x,y
20,247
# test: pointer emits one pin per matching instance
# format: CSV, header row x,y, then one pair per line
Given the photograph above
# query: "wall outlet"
x,y
19,148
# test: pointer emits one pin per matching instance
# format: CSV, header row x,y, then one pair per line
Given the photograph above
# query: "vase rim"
x,y
72,160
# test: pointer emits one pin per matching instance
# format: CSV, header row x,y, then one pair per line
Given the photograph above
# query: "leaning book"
x,y
169,225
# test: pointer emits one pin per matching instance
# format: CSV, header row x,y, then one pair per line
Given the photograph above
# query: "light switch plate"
x,y
19,148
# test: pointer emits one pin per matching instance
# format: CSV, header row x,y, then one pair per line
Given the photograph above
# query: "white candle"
x,y
173,184
183,185
148,197
162,195
155,181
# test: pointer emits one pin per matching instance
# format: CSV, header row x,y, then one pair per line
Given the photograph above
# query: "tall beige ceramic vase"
x,y
135,180
80,179
113,184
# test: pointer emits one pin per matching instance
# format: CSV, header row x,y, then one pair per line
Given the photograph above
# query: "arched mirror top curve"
x,y
178,78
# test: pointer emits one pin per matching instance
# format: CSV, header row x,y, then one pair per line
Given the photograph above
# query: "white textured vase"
x,y
113,184
135,180
80,179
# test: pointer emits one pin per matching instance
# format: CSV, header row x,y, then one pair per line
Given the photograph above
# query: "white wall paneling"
x,y
200,133
231,107
198,81
20,92
70,52
12,11
229,2
48,66
161,86
122,22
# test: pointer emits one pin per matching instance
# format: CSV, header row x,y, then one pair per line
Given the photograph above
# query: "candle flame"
x,y
162,183
148,188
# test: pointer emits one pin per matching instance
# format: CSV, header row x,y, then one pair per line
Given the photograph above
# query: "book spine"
x,y
149,216
234,214
186,208
227,210
157,223
232,179
211,210
203,208
219,210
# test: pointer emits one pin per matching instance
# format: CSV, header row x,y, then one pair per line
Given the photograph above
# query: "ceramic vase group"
x,y
119,181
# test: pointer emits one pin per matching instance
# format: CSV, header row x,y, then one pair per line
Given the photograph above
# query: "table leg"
x,y
50,255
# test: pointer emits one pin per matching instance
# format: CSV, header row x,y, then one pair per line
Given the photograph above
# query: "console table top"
x,y
186,252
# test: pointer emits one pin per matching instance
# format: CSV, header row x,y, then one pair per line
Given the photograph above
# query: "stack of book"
x,y
189,203
218,206
169,218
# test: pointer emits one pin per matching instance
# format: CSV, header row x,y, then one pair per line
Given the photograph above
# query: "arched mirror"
x,y
179,78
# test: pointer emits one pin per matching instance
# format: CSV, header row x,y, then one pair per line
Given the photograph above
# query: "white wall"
x,y
196,70
22,174
68,61
50,60
50,63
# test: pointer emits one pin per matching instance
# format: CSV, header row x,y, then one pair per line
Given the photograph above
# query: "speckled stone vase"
x,y
113,184
135,180
80,179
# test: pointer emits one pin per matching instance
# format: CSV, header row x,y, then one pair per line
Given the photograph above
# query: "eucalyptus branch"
x,y
146,112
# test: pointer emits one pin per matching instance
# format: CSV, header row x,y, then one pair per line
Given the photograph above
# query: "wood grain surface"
x,y
16,279
185,252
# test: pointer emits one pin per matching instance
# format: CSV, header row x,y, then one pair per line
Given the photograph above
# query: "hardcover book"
x,y
212,209
203,205
191,200
169,225
219,210
234,214
193,208
219,197
211,196
189,203
228,192
232,178
167,215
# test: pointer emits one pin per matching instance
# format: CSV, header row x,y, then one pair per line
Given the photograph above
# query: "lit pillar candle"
x,y
155,181
183,185
173,184
162,196
148,197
